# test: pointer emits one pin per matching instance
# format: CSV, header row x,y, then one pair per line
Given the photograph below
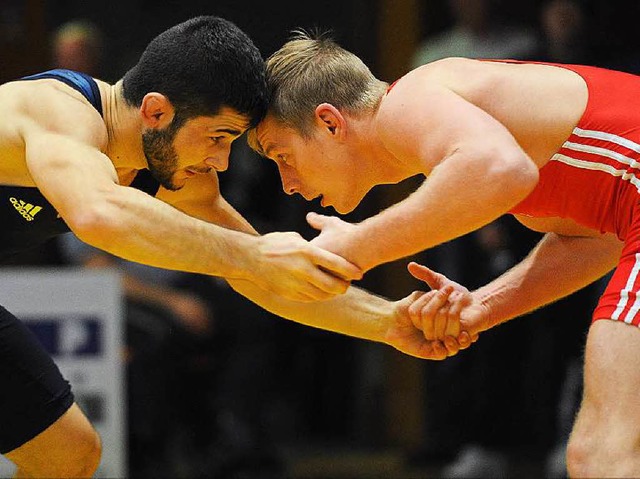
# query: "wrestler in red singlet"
x,y
594,180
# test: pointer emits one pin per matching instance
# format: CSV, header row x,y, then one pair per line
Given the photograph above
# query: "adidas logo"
x,y
27,210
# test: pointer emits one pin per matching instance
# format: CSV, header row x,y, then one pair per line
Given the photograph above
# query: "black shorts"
x,y
33,393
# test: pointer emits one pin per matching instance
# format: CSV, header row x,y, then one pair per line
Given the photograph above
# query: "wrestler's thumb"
x,y
316,221
433,279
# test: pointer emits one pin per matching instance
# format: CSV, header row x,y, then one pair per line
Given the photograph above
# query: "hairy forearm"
x,y
357,313
557,266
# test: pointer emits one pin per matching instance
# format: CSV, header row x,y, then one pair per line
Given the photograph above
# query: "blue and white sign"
x,y
77,315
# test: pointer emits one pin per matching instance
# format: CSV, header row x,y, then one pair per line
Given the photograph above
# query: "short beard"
x,y
161,155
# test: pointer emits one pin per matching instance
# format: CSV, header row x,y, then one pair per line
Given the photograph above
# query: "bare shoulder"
x,y
478,80
423,85
423,114
446,72
49,106
538,104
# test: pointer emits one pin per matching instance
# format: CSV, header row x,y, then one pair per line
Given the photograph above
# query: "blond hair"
x,y
310,69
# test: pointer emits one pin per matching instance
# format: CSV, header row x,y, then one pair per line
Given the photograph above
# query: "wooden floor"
x,y
390,464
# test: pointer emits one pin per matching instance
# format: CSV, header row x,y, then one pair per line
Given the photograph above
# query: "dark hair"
x,y
201,65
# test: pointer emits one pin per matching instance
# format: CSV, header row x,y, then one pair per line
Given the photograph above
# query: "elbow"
x,y
94,224
529,175
517,177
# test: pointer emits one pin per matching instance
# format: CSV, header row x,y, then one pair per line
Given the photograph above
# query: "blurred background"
x,y
217,387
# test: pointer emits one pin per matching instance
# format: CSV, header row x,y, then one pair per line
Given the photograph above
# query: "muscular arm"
x,y
357,313
80,183
558,266
563,262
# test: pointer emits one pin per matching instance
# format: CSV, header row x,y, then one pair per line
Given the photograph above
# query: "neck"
x,y
124,128
381,166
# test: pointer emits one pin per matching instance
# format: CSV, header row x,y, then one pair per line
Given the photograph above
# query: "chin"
x,y
344,209
175,184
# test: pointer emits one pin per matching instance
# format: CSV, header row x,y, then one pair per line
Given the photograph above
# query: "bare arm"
x,y
358,313
558,266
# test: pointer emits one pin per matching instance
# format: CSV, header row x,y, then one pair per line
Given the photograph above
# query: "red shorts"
x,y
621,299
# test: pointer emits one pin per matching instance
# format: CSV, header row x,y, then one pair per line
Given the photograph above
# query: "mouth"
x,y
196,171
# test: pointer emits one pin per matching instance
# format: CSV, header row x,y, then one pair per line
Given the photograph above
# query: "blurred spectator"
x,y
476,33
563,26
78,45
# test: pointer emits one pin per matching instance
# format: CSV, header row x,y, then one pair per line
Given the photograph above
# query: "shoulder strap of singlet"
x,y
144,181
391,86
78,81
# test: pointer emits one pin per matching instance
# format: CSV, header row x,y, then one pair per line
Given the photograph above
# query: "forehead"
x,y
273,134
226,120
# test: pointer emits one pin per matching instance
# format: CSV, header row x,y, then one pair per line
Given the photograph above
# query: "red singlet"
x,y
594,179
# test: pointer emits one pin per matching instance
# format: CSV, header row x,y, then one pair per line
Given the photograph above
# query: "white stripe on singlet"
x,y
610,137
625,162
624,295
602,151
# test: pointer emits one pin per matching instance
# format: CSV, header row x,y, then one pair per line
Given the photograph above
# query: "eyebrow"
x,y
231,131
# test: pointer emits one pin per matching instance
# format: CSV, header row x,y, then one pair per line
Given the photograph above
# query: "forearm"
x,y
557,266
356,313
135,226
453,200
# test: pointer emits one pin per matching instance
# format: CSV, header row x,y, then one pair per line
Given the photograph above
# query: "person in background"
x,y
563,29
476,32
78,45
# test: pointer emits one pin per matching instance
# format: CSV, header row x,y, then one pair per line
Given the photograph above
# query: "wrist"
x,y
389,313
242,251
487,317
358,251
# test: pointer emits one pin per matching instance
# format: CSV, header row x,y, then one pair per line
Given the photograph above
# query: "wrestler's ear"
x,y
330,120
156,110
